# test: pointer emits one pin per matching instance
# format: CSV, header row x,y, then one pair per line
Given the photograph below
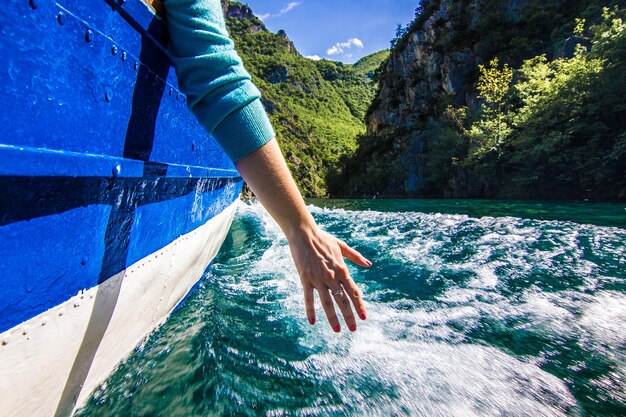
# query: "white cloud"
x,y
314,57
289,7
341,47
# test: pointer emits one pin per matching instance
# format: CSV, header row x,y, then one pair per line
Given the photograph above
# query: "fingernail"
x,y
369,263
362,315
337,328
312,320
352,327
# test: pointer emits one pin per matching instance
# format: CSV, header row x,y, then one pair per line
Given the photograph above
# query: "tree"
x,y
489,132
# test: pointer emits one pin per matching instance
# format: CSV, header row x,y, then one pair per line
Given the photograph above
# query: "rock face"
x,y
420,139
419,73
288,43
241,12
433,65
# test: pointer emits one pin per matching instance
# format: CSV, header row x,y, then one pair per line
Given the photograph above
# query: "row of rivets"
x,y
89,36
25,330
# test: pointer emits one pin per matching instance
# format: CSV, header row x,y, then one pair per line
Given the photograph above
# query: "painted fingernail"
x,y
352,327
337,328
368,262
312,320
363,315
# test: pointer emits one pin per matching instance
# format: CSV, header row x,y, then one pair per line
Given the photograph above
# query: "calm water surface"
x,y
475,309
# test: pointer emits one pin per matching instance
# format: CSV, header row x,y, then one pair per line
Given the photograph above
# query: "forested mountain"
x,y
317,107
499,98
368,65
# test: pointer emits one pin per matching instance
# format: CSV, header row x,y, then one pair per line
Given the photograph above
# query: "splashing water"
x,y
488,316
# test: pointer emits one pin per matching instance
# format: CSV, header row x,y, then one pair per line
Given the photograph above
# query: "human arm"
x,y
318,255
224,100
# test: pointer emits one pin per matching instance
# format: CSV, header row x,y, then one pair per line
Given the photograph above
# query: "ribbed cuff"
x,y
244,130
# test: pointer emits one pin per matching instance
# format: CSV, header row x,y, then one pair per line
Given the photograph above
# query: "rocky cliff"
x,y
433,69
419,73
240,11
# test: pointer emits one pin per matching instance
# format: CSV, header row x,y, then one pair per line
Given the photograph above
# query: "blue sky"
x,y
341,30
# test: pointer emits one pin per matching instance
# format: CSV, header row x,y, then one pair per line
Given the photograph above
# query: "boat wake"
x,y
467,317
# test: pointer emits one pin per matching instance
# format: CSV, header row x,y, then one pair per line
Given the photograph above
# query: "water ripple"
x,y
485,316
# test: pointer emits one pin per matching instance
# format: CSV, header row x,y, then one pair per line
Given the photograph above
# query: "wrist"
x,y
301,228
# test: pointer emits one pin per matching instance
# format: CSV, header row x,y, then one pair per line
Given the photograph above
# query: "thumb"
x,y
353,254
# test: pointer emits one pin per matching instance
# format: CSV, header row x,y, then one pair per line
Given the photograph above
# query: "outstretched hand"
x,y
318,256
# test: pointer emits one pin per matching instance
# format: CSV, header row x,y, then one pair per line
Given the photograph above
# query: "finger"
x,y
356,296
329,309
342,300
309,304
353,255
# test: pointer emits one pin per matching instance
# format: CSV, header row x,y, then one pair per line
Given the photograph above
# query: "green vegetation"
x,y
558,131
317,107
370,64
544,116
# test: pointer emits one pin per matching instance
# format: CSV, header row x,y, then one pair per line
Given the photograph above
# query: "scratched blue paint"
x,y
42,259
160,223
44,162
56,84
100,165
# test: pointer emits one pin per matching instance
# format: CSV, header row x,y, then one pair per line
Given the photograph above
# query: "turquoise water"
x,y
489,309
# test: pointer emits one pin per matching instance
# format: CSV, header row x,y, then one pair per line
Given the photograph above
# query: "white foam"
x,y
417,352
436,379
605,318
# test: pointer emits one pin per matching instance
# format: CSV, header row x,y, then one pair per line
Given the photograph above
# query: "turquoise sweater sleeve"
x,y
219,90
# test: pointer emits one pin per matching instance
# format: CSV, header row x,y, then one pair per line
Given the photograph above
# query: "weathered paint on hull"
x,y
113,199
51,363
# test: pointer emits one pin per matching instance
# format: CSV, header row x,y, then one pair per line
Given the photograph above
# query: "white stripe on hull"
x,y
50,364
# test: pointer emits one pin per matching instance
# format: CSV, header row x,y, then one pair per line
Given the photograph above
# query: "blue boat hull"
x,y
102,168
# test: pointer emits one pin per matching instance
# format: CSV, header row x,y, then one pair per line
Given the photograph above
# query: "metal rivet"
x,y
136,66
116,170
114,50
170,92
33,4
123,56
88,36
61,18
108,95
